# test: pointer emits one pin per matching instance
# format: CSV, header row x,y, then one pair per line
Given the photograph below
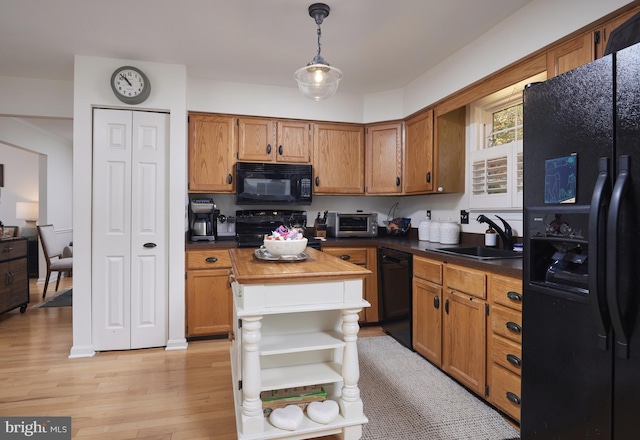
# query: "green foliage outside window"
x,y
507,126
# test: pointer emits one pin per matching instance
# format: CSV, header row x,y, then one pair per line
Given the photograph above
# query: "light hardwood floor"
x,y
148,394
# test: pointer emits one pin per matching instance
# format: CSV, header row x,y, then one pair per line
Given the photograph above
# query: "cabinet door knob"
x,y
512,326
429,177
397,181
345,257
268,148
317,181
436,302
513,398
210,259
514,360
446,307
514,296
280,150
229,179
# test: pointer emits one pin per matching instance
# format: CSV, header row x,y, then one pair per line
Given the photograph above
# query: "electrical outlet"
x,y
464,217
428,214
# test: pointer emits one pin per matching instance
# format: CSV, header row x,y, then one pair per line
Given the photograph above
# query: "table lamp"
x,y
28,211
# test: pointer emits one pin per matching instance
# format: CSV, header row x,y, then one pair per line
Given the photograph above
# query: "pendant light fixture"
x,y
318,80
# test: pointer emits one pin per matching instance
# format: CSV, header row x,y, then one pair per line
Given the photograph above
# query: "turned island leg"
x,y
252,418
350,402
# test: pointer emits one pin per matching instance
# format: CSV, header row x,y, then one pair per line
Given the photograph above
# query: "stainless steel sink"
x,y
480,252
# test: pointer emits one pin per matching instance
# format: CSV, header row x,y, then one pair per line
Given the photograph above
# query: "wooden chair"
x,y
53,254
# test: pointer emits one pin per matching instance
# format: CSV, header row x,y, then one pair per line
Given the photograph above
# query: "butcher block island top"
x,y
247,269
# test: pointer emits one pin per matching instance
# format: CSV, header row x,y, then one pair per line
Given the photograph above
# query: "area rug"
x,y
62,299
407,398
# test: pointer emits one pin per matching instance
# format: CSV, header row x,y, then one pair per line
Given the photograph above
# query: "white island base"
x,y
298,334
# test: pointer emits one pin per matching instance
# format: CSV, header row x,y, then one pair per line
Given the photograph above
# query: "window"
x,y
506,126
496,130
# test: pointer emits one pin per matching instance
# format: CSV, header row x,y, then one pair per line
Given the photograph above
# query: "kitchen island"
x,y
296,324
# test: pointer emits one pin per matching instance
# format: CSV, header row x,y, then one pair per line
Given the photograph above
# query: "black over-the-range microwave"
x,y
273,184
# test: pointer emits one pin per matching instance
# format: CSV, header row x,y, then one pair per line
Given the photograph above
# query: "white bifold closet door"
x,y
129,229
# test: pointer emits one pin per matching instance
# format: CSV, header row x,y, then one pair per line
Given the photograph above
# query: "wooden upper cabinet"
x,y
601,35
294,141
212,152
418,154
383,144
256,139
338,159
273,140
450,151
569,55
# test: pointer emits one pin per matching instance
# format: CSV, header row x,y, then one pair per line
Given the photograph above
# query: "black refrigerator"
x,y
581,267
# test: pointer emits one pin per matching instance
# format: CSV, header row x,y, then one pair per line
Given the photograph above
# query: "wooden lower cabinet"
x,y
366,257
464,326
209,300
427,308
463,339
504,344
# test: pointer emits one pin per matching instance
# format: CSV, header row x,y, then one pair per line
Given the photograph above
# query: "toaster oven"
x,y
358,224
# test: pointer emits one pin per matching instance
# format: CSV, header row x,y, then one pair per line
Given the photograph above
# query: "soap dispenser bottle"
x,y
490,237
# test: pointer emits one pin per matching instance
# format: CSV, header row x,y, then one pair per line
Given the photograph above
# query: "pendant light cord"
x,y
319,35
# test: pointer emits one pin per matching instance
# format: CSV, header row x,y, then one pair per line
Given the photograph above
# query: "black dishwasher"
x,y
394,294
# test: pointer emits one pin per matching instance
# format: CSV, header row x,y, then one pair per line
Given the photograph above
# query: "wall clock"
x,y
130,85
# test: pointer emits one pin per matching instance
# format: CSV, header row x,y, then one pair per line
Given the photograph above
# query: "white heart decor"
x,y
323,412
289,418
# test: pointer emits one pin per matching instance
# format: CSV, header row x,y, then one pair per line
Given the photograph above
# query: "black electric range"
x,y
253,224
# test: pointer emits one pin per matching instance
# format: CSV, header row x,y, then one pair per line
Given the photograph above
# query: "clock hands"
x,y
125,78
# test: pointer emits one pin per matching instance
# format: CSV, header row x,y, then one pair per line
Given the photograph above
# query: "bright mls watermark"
x,y
35,428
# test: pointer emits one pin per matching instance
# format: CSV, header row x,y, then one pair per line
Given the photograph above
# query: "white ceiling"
x,y
379,45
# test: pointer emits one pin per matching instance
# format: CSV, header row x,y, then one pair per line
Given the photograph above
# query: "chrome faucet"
x,y
506,235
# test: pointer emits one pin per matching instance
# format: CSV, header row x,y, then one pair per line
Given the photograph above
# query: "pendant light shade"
x,y
318,80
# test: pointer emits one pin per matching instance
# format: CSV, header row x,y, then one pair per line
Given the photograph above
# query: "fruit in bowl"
x,y
285,242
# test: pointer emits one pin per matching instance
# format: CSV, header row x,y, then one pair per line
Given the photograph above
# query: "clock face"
x,y
130,85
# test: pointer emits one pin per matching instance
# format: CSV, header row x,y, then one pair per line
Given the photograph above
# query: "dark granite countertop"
x,y
409,243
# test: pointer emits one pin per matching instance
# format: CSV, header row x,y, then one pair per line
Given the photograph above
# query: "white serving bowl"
x,y
285,247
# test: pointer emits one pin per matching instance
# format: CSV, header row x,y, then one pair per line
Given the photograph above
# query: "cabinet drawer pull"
x,y
514,296
513,398
229,179
317,181
397,181
446,307
429,177
345,257
512,326
268,148
149,245
210,259
280,150
514,360
436,302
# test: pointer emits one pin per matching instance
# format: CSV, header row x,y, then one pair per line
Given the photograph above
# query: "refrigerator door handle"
x,y
597,257
619,189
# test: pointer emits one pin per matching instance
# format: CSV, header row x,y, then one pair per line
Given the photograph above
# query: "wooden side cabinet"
x,y
14,283
504,344
209,300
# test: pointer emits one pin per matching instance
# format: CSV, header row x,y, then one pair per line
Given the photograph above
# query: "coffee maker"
x,y
202,219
